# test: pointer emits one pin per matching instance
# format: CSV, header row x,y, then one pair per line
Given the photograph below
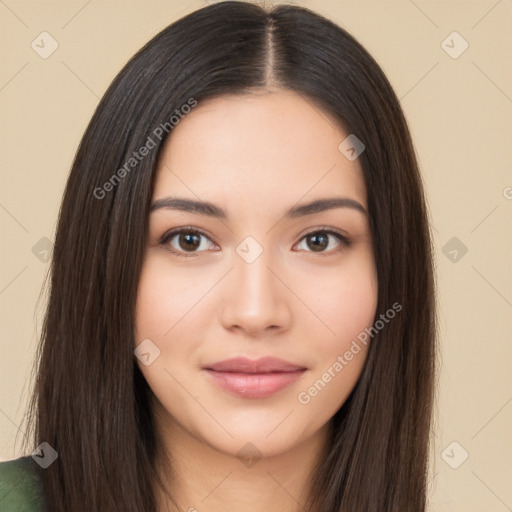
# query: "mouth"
x,y
259,378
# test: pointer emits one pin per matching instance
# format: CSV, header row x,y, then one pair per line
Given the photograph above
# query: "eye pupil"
x,y
192,241
320,242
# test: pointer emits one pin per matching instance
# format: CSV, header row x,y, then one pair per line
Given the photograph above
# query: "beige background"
x,y
459,110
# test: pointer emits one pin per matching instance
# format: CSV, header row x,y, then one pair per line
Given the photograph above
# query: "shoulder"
x,y
21,488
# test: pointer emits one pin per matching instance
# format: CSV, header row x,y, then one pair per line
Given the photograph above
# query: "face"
x,y
247,279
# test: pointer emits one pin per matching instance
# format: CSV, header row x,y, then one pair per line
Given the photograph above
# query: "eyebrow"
x,y
211,210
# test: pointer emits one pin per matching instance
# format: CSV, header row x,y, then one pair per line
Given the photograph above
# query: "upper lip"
x,y
262,365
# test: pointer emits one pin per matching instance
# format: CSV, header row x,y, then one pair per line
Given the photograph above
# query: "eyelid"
x,y
331,231
189,229
177,231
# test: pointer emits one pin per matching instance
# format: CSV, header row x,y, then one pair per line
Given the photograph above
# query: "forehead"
x,y
277,146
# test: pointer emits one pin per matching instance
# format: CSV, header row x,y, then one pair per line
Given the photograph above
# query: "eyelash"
x,y
171,234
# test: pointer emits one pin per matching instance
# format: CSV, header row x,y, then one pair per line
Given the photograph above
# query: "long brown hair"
x,y
90,400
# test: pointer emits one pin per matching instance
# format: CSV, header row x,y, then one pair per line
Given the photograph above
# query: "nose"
x,y
256,300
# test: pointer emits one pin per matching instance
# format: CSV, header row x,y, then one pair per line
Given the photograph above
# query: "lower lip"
x,y
254,385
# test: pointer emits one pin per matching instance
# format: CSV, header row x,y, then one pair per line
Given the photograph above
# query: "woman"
x,y
242,306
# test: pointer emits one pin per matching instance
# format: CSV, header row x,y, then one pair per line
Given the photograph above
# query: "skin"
x,y
255,156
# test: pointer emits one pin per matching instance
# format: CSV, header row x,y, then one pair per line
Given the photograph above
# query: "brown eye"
x,y
319,241
183,241
189,241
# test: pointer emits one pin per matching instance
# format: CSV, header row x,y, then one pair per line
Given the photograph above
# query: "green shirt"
x,y
21,488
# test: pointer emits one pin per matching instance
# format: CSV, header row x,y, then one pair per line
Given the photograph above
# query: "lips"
x,y
263,365
248,378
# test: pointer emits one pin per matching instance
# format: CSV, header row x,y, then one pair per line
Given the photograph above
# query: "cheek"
x,y
345,303
351,307
170,311
165,299
347,307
